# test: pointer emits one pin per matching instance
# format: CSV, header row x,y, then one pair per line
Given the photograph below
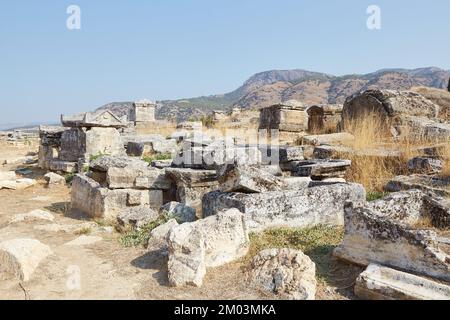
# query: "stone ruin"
x,y
293,119
68,148
81,137
405,113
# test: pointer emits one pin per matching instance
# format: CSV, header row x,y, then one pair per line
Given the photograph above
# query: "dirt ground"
x,y
106,269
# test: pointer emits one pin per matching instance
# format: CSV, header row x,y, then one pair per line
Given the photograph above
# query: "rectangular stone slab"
x,y
291,208
382,283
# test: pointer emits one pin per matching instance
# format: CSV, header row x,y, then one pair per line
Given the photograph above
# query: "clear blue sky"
x,y
166,49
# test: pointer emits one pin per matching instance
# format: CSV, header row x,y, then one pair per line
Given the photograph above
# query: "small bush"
x,y
69,178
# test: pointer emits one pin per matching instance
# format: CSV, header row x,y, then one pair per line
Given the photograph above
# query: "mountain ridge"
x,y
273,86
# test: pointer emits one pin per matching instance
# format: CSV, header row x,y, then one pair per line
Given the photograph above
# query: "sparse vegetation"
x,y
317,242
84,231
160,156
375,195
369,167
98,156
139,236
69,178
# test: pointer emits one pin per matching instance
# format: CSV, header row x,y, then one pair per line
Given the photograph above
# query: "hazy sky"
x,y
166,49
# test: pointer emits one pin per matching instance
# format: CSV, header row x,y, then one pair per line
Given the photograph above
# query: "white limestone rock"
x,y
20,257
182,213
382,283
209,242
288,273
35,215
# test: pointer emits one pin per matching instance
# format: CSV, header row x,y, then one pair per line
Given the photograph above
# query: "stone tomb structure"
x,y
293,119
82,136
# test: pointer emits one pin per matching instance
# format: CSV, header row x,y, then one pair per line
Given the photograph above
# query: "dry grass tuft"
x,y
446,159
370,166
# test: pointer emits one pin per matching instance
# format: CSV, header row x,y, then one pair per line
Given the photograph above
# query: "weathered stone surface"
x,y
284,117
329,139
215,154
186,264
20,257
209,242
103,164
291,208
381,283
53,178
388,103
7,175
159,234
89,197
34,215
63,166
438,210
288,273
19,184
161,164
182,213
192,185
436,185
296,183
103,141
136,217
150,144
287,154
424,165
383,232
321,169
139,178
247,179
101,118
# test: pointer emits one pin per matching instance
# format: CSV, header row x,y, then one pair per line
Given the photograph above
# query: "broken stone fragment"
x,y
439,186
53,179
181,212
158,236
438,210
136,217
19,184
209,242
385,232
287,154
34,215
288,273
382,283
425,165
329,139
321,169
20,257
247,179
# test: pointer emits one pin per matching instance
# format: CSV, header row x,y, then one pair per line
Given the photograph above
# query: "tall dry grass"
x,y
376,156
446,159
